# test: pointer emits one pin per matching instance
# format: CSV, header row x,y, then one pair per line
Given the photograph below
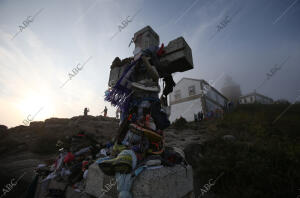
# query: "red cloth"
x,y
84,165
55,163
161,50
69,157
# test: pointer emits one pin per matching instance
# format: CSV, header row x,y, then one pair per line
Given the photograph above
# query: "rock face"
x,y
94,183
163,182
167,182
102,128
229,138
22,147
3,131
3,128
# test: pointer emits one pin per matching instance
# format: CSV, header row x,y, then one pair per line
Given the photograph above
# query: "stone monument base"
x,y
166,182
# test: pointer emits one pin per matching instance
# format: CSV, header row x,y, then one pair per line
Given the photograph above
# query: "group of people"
x,y
198,116
86,110
218,113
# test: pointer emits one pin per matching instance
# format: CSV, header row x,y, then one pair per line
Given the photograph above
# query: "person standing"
x,y
230,105
86,110
105,111
200,116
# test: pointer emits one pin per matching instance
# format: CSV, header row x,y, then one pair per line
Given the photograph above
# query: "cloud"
x,y
32,78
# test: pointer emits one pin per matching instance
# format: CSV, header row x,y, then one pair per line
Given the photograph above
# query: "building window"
x,y
146,43
192,90
177,94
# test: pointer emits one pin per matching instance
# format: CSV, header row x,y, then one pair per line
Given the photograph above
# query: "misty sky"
x,y
36,63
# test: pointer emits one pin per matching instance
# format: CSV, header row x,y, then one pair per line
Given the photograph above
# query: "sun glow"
x,y
36,107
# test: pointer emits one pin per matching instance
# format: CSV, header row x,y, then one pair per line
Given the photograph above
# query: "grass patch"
x,y
263,162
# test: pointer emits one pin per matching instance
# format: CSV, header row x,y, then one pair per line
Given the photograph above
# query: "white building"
x,y
191,96
255,98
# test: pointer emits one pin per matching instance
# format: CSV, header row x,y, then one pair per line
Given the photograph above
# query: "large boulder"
x,y
229,138
94,182
167,182
3,131
37,124
3,128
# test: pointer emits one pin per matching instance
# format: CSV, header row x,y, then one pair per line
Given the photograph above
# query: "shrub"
x,y
179,123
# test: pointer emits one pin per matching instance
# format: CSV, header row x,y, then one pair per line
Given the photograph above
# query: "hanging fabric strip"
x,y
120,93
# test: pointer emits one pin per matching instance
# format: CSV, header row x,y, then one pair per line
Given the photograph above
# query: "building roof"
x,y
255,93
188,79
201,80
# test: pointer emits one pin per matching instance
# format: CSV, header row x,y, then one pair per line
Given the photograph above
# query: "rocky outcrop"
x,y
3,131
167,182
102,128
229,138
3,128
22,148
163,182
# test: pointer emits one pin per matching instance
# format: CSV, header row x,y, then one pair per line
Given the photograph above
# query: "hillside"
x,y
260,160
263,161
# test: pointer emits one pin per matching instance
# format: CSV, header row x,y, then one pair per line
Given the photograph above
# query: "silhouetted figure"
x,y
200,116
85,112
230,106
105,111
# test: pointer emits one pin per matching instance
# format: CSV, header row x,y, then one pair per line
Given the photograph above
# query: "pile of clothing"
x,y
70,168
